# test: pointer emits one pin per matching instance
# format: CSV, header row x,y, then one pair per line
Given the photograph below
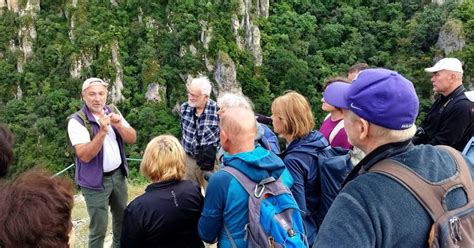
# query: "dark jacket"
x,y
166,215
450,121
227,201
373,210
90,175
300,160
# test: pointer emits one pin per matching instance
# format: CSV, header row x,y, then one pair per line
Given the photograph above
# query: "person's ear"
x,y
364,127
453,76
223,136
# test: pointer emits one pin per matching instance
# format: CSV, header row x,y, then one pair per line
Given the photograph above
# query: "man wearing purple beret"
x,y
373,210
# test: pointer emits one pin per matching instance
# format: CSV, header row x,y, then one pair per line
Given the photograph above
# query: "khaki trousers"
x,y
194,173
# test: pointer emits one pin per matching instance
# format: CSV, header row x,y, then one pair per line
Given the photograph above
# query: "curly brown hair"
x,y
6,149
35,210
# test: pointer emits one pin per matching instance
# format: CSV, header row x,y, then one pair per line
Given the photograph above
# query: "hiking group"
x,y
367,178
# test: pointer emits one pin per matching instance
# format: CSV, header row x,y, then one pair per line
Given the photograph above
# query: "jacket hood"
x,y
309,143
257,164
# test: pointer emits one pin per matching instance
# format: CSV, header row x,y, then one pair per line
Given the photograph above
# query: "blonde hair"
x,y
295,113
163,159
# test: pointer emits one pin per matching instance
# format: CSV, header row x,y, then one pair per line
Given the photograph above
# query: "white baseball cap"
x,y
450,64
93,81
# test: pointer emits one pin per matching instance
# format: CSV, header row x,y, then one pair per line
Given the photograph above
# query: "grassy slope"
x,y
81,219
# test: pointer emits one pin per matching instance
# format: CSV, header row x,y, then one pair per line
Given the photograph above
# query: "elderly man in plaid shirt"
x,y
199,127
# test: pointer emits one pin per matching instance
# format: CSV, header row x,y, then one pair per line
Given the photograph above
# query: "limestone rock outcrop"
x,y
225,75
155,92
117,85
450,37
251,39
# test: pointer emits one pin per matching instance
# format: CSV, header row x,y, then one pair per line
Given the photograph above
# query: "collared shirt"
x,y
199,131
79,134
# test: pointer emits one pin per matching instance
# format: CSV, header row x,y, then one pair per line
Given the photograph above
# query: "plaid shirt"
x,y
207,131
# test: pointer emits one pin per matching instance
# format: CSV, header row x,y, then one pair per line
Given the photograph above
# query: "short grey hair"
x,y
203,83
388,135
458,75
233,100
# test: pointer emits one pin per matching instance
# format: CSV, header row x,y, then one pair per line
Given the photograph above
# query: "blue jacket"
x,y
90,175
373,210
303,168
226,201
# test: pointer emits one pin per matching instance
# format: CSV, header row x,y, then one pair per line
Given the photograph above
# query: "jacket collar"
x,y
379,154
89,114
460,89
160,185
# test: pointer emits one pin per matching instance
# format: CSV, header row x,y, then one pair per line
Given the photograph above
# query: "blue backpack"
x,y
469,150
334,166
274,217
269,140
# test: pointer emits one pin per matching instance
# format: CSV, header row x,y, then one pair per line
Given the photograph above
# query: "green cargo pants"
x,y
114,194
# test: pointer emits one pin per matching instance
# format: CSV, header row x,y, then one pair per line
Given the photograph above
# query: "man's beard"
x,y
191,104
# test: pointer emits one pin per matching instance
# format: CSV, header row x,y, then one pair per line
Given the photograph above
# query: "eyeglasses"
x,y
193,95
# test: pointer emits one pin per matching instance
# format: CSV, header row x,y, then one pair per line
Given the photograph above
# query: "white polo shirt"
x,y
78,134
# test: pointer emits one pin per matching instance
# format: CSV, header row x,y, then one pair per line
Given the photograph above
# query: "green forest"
x,y
48,48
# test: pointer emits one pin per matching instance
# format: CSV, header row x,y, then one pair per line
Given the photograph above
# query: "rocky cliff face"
x,y
82,61
12,5
117,86
225,75
79,62
247,36
440,2
27,31
223,68
251,39
23,46
155,92
451,38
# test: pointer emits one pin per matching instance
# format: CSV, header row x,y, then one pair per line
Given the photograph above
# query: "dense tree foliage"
x,y
303,43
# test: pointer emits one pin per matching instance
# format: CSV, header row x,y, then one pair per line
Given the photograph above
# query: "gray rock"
x,y
451,38
225,74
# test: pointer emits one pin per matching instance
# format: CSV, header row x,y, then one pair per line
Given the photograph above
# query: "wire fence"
x,y
72,165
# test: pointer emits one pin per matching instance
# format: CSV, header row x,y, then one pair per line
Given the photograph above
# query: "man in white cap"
x,y
450,120
98,133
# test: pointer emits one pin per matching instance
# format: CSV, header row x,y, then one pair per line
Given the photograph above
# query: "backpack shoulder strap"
x,y
252,188
248,184
335,130
463,171
430,195
82,116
